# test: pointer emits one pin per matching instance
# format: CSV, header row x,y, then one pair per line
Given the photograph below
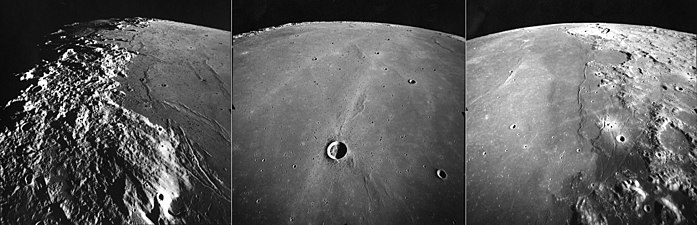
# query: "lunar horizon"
x,y
124,122
348,123
582,123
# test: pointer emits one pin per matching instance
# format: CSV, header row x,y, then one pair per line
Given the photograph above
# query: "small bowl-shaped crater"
x,y
441,174
513,126
29,178
659,155
620,138
336,150
411,81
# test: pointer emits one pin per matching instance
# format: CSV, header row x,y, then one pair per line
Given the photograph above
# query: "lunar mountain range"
x,y
588,123
348,123
125,121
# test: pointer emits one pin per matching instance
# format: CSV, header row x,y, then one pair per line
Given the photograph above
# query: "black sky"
x,y
441,15
492,16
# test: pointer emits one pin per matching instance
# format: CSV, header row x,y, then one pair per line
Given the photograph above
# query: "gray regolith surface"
x,y
125,122
392,94
581,124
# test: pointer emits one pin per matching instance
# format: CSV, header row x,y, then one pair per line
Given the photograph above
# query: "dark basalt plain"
x,y
581,124
297,88
126,121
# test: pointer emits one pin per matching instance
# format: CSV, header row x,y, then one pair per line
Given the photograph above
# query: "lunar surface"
x,y
126,121
581,124
348,123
